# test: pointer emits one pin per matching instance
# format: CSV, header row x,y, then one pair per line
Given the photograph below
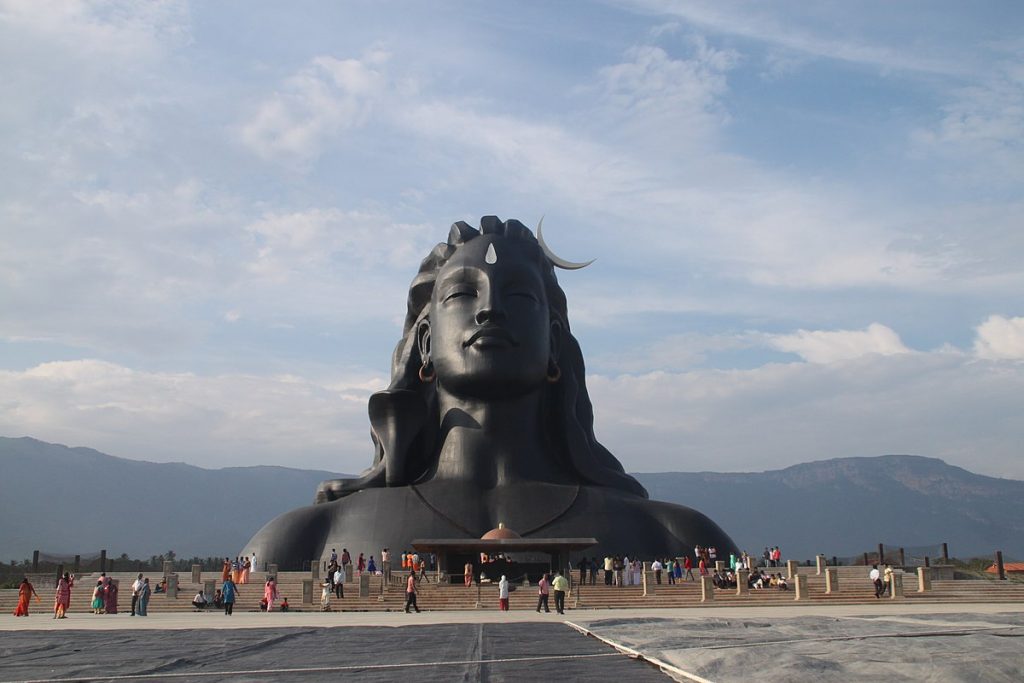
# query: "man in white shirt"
x,y
385,563
136,587
876,579
656,567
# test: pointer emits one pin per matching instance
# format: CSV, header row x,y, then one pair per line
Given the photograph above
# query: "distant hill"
x,y
78,500
847,506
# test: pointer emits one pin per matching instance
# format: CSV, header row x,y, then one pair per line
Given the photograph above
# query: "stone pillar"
x,y
881,553
897,586
903,558
78,563
103,560
172,586
647,583
314,570
927,561
742,587
364,585
1000,568
945,554
307,591
792,567
707,589
800,583
924,579
168,567
719,566
197,573
35,560
831,580
819,564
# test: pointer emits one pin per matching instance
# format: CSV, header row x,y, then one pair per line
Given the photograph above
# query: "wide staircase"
x,y
853,588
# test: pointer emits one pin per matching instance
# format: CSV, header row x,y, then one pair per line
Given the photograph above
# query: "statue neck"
x,y
493,442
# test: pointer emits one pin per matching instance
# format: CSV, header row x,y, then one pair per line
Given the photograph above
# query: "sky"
x,y
807,219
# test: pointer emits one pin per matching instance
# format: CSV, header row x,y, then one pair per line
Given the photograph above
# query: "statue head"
x,y
486,320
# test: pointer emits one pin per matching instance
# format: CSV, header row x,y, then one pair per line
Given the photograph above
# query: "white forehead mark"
x,y
490,257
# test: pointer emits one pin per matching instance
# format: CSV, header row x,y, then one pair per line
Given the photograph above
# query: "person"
x,y
584,564
487,418
334,556
284,604
162,586
339,582
25,592
887,581
657,567
252,563
218,599
97,598
246,568
225,570
410,593
142,609
325,596
876,580
360,565
688,566
503,594
609,567
543,590
561,587
467,574
593,571
110,597
136,585
385,563
783,584
228,593
371,566
199,601
270,593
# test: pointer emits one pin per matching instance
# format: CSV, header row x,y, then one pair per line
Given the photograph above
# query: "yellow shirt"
x,y
560,583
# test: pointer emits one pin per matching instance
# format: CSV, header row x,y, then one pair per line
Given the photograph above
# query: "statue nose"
x,y
489,314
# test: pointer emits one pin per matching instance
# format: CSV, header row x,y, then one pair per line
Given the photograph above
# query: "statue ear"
x,y
423,339
555,339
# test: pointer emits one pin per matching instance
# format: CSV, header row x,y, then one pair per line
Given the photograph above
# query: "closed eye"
x,y
457,292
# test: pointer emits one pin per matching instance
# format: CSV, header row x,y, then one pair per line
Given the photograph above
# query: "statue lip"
x,y
491,335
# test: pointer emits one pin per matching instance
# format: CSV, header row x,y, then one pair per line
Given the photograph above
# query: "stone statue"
x,y
486,421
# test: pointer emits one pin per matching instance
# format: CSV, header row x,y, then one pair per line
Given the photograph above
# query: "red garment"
x,y
225,571
25,592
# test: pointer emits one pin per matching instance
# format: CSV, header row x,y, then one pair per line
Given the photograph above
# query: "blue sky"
x,y
807,220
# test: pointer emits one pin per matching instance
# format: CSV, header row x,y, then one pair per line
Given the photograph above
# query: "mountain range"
x,y
68,501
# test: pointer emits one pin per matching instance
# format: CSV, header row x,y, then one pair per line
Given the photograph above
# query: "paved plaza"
x,y
964,642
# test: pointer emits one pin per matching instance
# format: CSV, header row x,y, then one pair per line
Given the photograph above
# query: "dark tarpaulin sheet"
x,y
534,652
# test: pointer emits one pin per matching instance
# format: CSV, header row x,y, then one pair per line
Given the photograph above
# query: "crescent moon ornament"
x,y
555,259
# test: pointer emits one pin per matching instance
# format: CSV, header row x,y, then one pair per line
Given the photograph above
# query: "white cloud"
x,y
216,421
941,404
1000,338
326,98
821,346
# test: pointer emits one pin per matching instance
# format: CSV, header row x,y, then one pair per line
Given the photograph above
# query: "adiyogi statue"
x,y
486,421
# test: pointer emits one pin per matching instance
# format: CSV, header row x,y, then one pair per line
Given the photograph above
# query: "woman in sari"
x,y
270,594
225,570
246,567
110,598
144,593
97,598
25,593
62,600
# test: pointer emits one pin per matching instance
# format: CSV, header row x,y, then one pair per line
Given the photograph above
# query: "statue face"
x,y
490,331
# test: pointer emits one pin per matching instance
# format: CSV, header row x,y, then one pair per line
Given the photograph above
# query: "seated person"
x,y
218,599
284,604
263,604
199,602
783,586
162,586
